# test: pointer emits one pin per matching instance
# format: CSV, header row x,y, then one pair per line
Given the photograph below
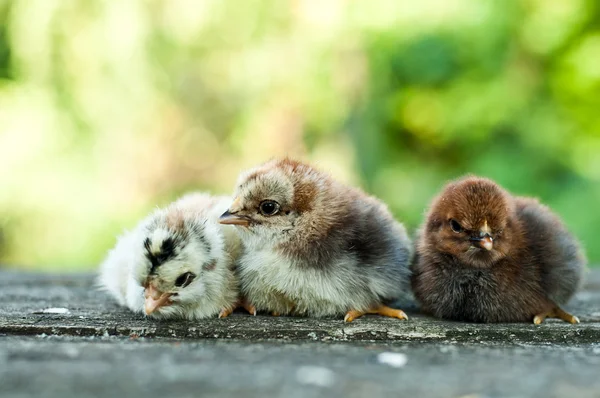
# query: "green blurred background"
x,y
110,108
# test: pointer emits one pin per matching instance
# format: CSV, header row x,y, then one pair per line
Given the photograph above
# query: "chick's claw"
x,y
382,310
225,312
555,312
391,312
352,315
249,307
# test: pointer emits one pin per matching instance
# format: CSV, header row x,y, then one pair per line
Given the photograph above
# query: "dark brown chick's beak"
x,y
228,218
485,242
155,299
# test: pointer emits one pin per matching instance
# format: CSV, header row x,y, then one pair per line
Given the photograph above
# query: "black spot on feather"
x,y
167,248
167,252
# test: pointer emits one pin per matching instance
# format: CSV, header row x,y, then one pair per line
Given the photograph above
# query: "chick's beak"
x,y
155,299
229,218
485,242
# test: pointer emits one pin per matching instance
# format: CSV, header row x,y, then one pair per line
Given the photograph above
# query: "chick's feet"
x,y
248,307
381,310
225,312
555,312
288,311
240,304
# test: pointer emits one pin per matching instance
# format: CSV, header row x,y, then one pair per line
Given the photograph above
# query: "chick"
x,y
486,256
177,263
316,247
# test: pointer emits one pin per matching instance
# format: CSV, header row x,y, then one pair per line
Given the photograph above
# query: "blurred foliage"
x,y
110,108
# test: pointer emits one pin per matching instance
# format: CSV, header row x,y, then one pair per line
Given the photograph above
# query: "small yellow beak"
x,y
228,218
155,299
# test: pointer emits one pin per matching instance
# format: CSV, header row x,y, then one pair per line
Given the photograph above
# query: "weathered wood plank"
x,y
93,313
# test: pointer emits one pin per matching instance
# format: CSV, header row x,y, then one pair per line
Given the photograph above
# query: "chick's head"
x,y
270,200
472,220
180,252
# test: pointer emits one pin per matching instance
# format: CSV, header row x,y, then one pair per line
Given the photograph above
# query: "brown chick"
x,y
315,247
486,256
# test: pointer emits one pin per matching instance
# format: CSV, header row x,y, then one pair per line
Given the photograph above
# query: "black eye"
x,y
184,279
269,207
456,227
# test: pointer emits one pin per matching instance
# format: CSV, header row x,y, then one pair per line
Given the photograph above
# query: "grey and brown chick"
x,y
484,255
177,263
316,247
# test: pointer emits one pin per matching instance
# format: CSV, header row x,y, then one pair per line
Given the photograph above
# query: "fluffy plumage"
x,y
314,246
177,263
486,256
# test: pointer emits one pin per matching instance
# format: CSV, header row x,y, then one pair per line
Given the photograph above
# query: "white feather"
x,y
273,283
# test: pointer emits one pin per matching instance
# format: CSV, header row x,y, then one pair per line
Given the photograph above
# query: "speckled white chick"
x,y
316,247
177,263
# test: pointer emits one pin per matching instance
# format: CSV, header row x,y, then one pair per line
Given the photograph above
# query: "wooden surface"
x,y
97,349
93,313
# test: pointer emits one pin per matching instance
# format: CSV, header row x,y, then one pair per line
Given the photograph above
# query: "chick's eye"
x,y
184,279
456,227
269,207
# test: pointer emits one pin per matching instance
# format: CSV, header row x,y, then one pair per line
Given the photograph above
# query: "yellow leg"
x,y
381,310
555,312
391,312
